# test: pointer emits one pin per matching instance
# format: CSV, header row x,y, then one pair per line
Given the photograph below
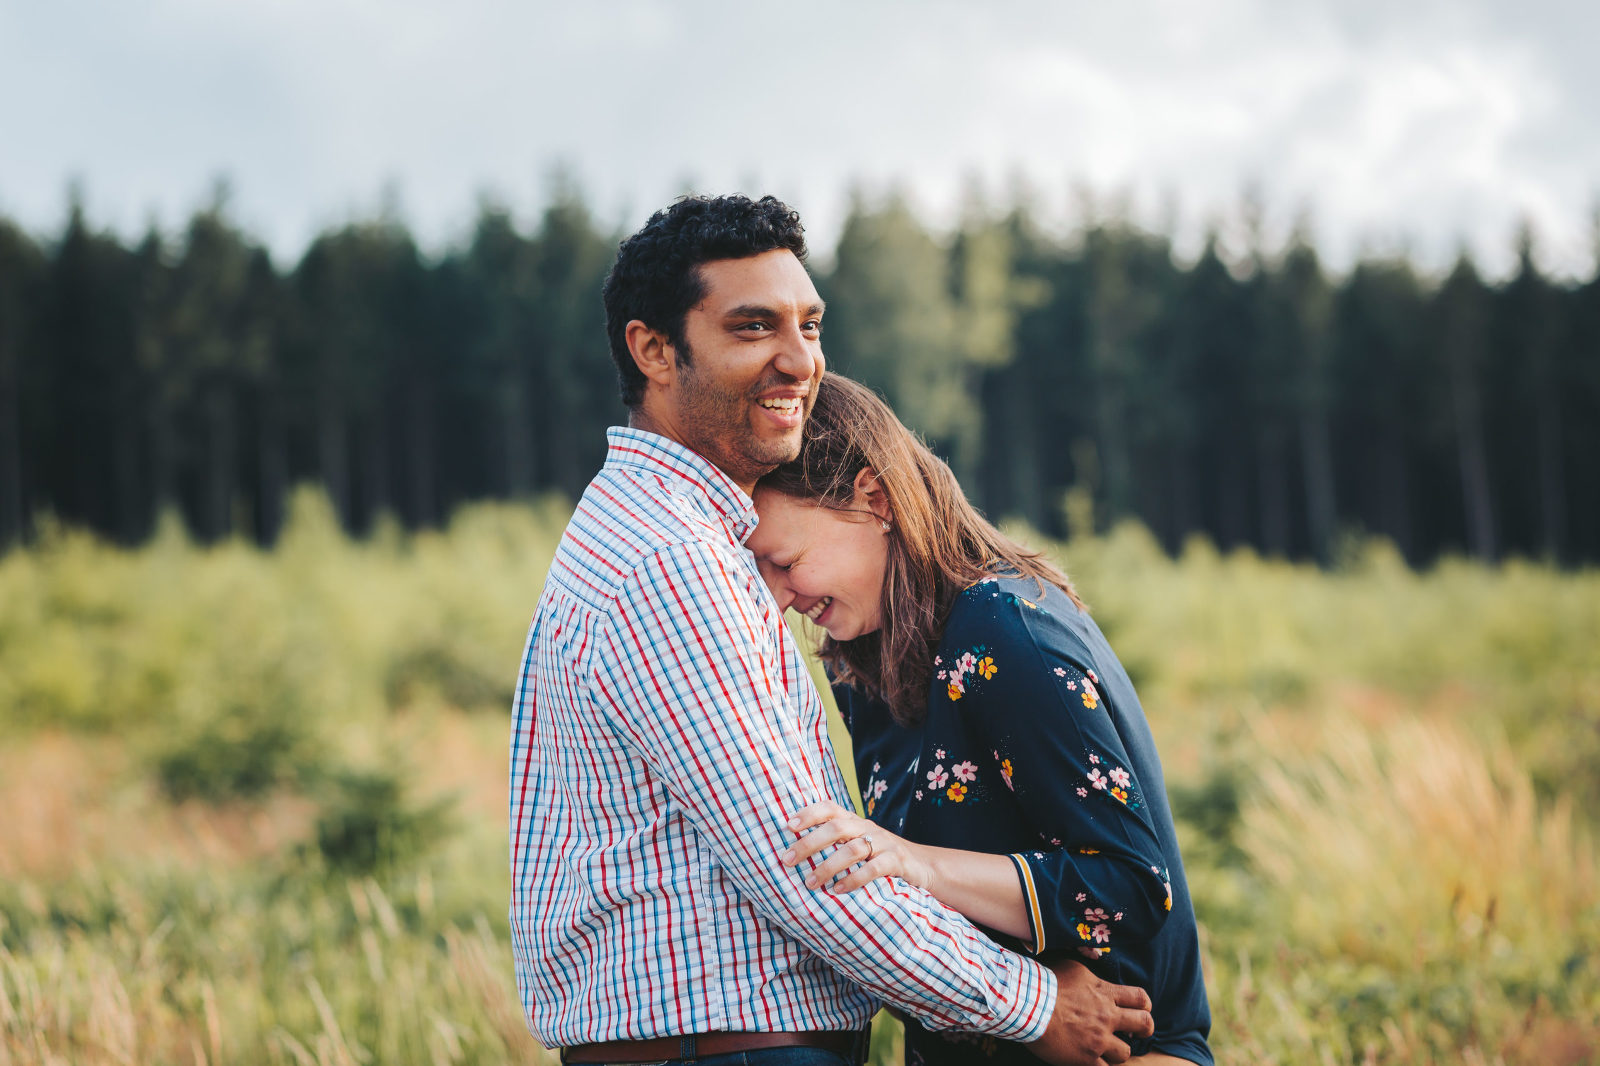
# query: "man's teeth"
x,y
818,607
785,405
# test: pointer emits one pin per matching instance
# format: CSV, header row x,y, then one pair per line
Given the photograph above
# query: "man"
x,y
666,727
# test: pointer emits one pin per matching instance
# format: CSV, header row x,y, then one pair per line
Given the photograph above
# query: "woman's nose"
x,y
778,584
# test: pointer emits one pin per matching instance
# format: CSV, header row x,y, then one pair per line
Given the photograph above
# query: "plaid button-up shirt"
x,y
665,729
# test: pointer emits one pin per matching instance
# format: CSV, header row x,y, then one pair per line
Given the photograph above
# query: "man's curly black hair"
x,y
656,277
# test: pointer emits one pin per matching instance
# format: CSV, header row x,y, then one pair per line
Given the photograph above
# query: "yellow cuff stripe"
x,y
1034,917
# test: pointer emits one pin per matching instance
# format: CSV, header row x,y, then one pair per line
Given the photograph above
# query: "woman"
x,y
995,733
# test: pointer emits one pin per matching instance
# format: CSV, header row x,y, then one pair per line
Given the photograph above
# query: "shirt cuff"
x,y
1034,1004
1030,899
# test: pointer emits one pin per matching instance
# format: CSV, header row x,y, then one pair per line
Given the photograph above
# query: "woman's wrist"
x,y
924,872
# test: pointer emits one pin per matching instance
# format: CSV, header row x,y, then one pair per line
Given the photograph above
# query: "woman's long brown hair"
x,y
938,542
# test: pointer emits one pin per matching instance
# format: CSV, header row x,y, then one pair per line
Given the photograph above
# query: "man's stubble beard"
x,y
718,420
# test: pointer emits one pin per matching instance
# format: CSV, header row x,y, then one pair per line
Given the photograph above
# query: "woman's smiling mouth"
x,y
819,608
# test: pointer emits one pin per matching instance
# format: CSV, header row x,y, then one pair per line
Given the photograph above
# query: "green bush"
x,y
443,669
240,751
368,825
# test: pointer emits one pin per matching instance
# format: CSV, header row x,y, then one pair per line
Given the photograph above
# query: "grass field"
x,y
255,801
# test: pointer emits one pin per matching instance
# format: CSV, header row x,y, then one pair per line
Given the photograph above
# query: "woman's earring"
x,y
884,522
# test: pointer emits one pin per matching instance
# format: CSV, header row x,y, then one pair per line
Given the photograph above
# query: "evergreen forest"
x,y
1255,397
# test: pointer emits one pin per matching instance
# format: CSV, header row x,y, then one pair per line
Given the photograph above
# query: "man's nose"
x,y
799,356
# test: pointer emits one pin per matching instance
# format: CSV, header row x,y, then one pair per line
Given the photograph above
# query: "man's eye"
x,y
814,327
761,326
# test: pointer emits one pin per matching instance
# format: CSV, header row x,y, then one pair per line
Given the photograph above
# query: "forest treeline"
x,y
1257,398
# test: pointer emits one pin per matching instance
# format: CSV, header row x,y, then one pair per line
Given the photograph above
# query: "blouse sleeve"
x,y
1099,877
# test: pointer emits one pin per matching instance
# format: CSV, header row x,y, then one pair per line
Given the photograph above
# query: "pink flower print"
x,y
1055,842
1081,897
877,766
879,788
938,753
1094,914
919,793
1072,686
1097,779
965,771
1093,678
940,675
1120,778
1117,917
1082,792
1060,672
937,777
1102,933
937,660
966,662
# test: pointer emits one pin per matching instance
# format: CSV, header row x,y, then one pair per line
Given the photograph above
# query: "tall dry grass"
x,y
209,971
1385,783
1417,904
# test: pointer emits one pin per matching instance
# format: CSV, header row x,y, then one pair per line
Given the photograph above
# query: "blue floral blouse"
x,y
1035,746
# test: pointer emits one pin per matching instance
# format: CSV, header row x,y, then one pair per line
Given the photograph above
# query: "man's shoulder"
x,y
625,519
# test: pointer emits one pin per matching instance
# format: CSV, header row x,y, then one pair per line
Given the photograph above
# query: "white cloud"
x,y
1426,125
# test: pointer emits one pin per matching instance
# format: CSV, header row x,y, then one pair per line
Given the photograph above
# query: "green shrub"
x,y
445,670
369,825
240,751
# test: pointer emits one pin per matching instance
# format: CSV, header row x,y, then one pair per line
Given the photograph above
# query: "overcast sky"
x,y
1414,126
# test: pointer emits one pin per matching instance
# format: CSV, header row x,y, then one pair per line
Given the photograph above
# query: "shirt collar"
x,y
665,457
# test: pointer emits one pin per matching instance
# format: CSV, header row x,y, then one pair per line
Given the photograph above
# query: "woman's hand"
x,y
870,849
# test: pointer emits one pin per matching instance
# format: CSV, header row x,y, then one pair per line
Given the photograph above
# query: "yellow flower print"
x,y
957,792
1088,851
1083,931
953,690
1121,794
871,803
1005,774
986,667
1089,698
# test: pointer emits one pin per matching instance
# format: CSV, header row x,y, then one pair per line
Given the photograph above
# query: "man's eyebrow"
x,y
759,311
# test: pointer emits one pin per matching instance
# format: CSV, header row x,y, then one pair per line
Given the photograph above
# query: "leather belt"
x,y
851,1044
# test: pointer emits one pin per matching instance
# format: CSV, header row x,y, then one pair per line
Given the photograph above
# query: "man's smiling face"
x,y
753,364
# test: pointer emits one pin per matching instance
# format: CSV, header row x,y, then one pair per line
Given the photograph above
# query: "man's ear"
x,y
869,492
652,353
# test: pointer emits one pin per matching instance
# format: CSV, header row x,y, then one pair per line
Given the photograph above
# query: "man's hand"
x,y
1088,1016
